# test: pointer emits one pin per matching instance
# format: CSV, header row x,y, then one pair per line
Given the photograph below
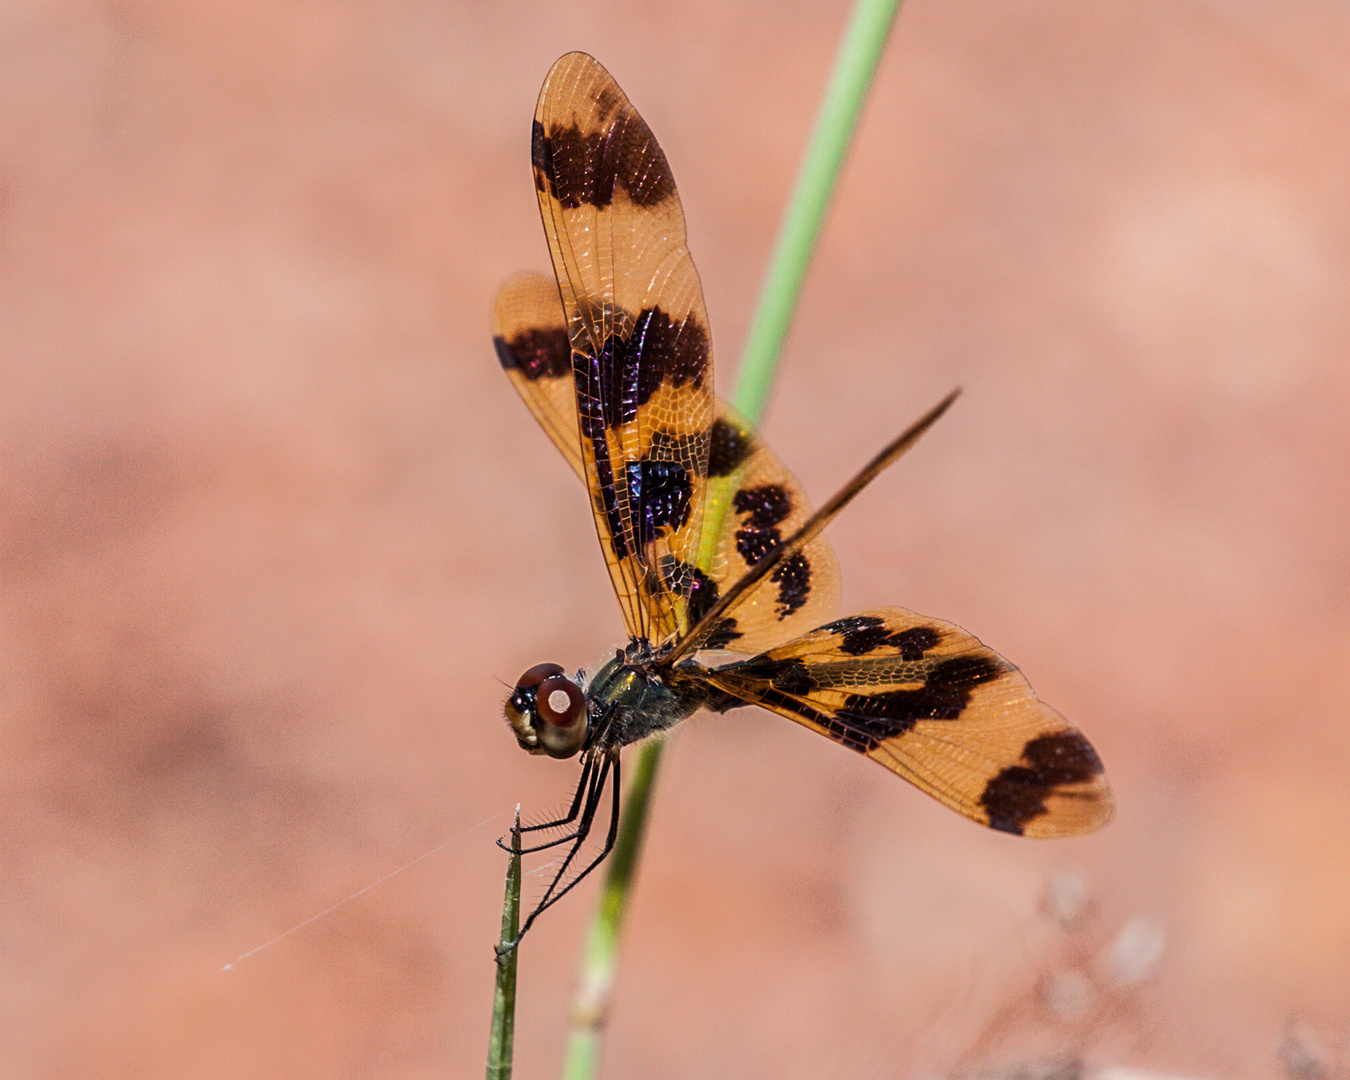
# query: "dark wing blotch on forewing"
x,y
674,352
930,702
943,692
613,217
659,491
685,447
530,336
582,166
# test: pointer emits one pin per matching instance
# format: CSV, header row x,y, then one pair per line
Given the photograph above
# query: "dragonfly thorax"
x,y
629,699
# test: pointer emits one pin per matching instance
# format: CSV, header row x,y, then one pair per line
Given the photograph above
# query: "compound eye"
x,y
562,714
521,709
538,674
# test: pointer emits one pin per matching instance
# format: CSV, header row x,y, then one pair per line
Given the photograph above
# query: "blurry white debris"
x,y
1303,1055
1068,994
1124,1072
1136,951
1066,897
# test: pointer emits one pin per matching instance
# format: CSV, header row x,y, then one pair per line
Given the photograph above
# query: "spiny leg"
x,y
588,792
592,805
587,764
610,838
583,830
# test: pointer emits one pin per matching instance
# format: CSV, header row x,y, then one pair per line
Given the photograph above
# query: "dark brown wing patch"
x,y
536,353
582,167
729,445
863,634
930,702
530,336
1018,795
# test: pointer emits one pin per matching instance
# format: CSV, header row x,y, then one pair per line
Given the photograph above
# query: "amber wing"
x,y
640,349
531,341
753,503
752,500
930,702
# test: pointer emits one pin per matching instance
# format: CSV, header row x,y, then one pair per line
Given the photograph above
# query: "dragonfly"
x,y
727,585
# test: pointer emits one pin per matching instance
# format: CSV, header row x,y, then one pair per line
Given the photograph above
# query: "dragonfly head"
x,y
547,711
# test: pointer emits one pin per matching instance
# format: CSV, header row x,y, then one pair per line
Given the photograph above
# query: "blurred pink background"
x,y
275,531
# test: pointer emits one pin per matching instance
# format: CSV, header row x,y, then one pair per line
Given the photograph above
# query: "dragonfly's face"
x,y
547,711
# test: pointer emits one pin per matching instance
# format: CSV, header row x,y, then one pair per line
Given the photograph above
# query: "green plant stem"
x,y
854,66
590,1007
859,52
502,1040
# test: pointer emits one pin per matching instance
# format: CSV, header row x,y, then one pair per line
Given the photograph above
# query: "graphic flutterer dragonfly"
x,y
614,359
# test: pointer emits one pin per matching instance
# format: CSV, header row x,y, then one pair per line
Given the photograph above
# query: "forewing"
x,y
530,336
634,314
930,702
753,502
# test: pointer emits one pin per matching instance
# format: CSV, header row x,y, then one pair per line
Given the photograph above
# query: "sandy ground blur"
x,y
274,531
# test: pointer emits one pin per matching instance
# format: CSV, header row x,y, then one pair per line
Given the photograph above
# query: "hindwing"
x,y
754,502
930,702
